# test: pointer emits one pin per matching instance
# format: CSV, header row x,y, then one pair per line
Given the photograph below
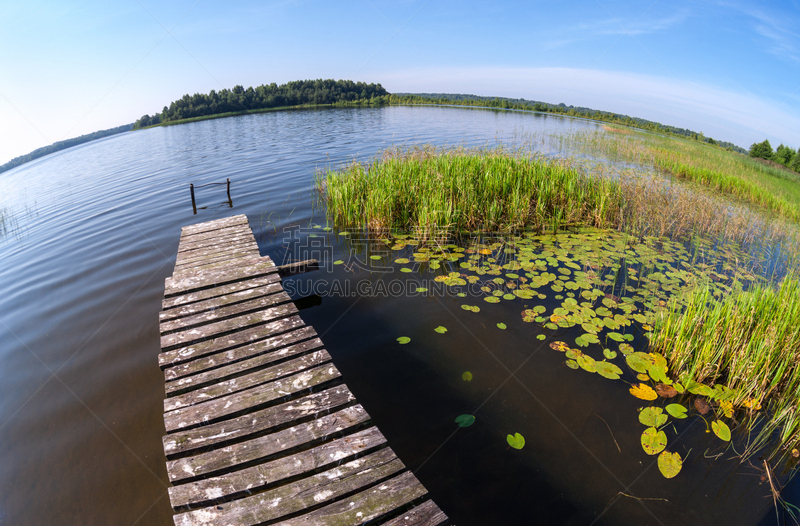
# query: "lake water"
x,y
92,234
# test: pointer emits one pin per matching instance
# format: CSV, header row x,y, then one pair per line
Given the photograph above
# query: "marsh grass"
x,y
774,188
749,342
500,189
429,189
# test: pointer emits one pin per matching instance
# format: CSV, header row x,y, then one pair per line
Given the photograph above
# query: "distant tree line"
x,y
785,155
266,96
61,145
562,109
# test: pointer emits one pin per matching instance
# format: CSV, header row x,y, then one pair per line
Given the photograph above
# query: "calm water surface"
x,y
94,234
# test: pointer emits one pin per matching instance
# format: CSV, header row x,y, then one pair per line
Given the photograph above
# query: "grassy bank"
x,y
504,190
458,189
748,342
774,188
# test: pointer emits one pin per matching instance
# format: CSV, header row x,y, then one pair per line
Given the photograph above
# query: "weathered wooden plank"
x,y
221,313
365,506
223,290
262,447
196,256
203,359
254,478
240,219
219,302
224,263
426,514
232,230
216,329
196,350
193,281
240,383
298,267
305,493
244,238
249,399
257,422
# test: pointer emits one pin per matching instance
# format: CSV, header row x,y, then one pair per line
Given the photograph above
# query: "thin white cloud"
x,y
741,118
778,29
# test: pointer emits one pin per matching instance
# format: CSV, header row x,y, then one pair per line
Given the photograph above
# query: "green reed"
x,y
748,341
461,189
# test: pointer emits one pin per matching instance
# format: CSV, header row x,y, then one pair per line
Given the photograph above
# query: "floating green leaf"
x,y
407,270
465,420
676,410
652,417
466,376
572,364
617,337
608,353
516,441
587,363
721,429
669,464
402,340
491,299
440,329
338,262
541,337
653,441
422,289
501,326
638,361
608,370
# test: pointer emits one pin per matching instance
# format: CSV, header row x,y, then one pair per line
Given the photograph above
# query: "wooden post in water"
x,y
194,206
230,202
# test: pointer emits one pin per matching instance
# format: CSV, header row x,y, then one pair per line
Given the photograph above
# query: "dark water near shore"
x,y
95,231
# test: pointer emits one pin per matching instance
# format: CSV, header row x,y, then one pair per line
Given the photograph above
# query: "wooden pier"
x,y
261,429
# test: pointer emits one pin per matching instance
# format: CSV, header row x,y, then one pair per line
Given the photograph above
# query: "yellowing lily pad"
x,y
652,417
721,429
516,441
440,329
587,363
653,441
643,391
669,464
727,408
559,346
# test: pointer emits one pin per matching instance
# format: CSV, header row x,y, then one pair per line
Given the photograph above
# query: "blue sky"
x,y
730,69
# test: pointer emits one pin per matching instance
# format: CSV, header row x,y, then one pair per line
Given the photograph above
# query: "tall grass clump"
x,y
748,341
428,188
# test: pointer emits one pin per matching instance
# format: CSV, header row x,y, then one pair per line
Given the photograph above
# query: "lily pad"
x,y
541,337
721,429
638,361
653,441
402,340
643,391
676,410
501,326
587,363
608,370
669,464
338,262
440,329
465,420
466,376
572,364
516,441
652,417
491,299
608,353
702,406
666,391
